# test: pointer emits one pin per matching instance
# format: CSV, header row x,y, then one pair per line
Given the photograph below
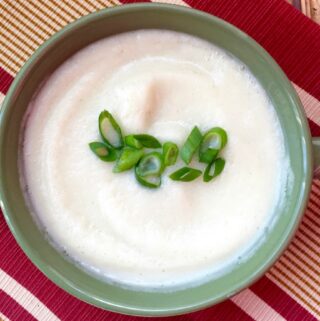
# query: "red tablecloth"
x,y
291,288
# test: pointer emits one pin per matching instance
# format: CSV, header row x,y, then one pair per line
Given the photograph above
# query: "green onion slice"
x,y
214,169
131,141
148,170
103,151
150,164
128,158
190,146
208,156
185,174
109,129
212,143
151,181
170,153
147,141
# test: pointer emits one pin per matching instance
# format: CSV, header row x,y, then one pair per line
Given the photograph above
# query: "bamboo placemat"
x,y
310,8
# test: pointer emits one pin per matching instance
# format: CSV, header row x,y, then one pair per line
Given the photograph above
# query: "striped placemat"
x,y
291,288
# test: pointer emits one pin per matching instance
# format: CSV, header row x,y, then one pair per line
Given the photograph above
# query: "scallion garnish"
x,y
208,156
185,174
110,130
131,141
214,169
128,152
190,146
147,141
149,169
151,181
170,153
103,151
150,164
127,159
212,143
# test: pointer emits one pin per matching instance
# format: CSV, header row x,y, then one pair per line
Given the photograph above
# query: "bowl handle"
x,y
316,156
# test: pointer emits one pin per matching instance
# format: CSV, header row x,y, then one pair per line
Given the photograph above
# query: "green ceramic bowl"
x,y
120,19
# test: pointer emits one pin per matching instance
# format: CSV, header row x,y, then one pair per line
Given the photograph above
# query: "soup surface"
x,y
161,83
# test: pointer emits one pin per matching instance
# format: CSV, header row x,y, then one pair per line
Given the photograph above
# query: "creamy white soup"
x,y
161,83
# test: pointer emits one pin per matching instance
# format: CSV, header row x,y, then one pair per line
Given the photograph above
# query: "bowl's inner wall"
x,y
111,22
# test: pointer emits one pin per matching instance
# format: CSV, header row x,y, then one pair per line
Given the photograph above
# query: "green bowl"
x,y
113,21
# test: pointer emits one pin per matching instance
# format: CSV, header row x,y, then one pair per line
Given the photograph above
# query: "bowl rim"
x,y
131,310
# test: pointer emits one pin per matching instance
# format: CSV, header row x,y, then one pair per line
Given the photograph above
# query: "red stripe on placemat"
x,y
314,128
291,38
5,81
17,265
226,310
13,310
280,301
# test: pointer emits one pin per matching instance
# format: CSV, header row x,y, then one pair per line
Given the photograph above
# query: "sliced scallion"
x,y
170,153
147,141
148,170
128,158
150,164
109,129
103,151
190,146
208,156
131,141
185,174
151,181
214,169
212,143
